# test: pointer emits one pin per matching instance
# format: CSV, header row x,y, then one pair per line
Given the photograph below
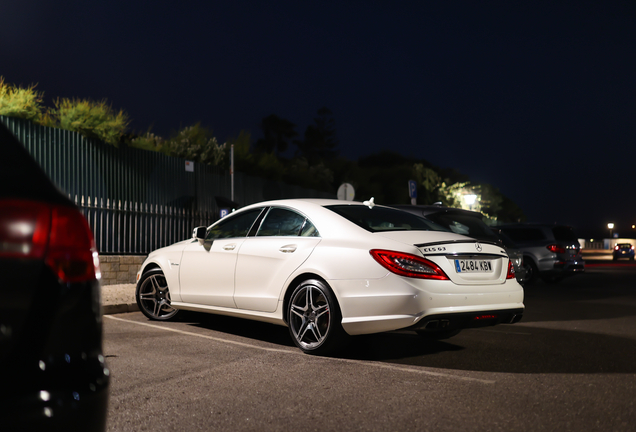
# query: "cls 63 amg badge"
x,y
434,249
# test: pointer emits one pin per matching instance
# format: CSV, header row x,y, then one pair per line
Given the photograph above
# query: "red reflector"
x,y
484,317
57,234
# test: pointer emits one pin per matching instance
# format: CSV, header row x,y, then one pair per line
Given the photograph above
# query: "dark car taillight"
x,y
408,265
59,235
556,248
511,270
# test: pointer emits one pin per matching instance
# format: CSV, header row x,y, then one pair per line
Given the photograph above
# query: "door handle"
x,y
229,247
288,249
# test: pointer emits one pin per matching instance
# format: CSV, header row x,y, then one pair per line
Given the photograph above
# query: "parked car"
x,y
53,372
328,269
469,223
550,252
623,250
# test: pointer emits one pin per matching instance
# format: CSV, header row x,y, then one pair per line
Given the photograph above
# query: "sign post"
x,y
413,191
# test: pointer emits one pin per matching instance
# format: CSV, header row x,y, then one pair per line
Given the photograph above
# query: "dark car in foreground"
x,y
52,370
550,252
623,250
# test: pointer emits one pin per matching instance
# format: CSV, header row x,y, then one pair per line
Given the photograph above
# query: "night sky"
x,y
536,98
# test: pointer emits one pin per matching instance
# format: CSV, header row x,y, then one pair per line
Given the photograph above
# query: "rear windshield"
x,y
378,219
564,233
465,225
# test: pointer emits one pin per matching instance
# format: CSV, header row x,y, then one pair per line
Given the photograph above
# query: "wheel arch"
x,y
150,266
294,283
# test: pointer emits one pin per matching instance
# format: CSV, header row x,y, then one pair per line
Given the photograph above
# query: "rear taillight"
x,y
556,248
511,270
58,235
408,265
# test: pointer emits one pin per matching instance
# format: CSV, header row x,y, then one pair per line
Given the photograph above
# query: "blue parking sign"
x,y
412,189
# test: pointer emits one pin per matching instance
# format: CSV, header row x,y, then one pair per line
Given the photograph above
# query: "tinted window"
x,y
234,225
384,219
564,233
309,230
283,222
524,234
465,225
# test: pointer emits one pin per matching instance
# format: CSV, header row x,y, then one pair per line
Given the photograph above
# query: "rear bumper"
x,y
394,303
464,320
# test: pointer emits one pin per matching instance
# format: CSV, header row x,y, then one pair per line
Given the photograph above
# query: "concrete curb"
x,y
119,308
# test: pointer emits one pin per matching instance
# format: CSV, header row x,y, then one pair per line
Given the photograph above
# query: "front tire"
x,y
314,319
153,296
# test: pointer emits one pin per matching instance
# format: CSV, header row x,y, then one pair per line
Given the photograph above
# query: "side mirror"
x,y
199,234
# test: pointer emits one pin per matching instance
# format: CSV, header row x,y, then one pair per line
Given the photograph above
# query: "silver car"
x,y
550,252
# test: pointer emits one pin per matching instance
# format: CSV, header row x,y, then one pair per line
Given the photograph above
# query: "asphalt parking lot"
x,y
567,366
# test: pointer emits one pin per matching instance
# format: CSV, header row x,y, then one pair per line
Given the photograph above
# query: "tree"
x,y
276,134
198,144
320,139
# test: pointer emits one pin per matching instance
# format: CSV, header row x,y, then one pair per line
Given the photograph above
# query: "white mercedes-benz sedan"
x,y
328,269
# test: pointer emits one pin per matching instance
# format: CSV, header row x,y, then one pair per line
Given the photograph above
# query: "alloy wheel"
x,y
309,316
153,297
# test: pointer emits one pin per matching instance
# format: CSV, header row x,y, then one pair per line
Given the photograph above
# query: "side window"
x,y
309,230
233,225
283,222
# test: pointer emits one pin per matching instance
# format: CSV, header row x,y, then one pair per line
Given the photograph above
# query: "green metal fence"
x,y
136,200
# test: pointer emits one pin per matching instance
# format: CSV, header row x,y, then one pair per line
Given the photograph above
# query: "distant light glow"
x,y
470,199
610,225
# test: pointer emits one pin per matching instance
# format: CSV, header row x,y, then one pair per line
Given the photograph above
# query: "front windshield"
x,y
379,219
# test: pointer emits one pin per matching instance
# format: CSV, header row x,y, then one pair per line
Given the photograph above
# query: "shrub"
x,y
150,141
92,119
20,102
197,143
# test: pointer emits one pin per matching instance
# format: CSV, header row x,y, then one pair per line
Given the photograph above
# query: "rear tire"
x,y
153,296
532,272
314,319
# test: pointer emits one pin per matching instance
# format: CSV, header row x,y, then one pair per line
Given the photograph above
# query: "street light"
x,y
611,227
470,200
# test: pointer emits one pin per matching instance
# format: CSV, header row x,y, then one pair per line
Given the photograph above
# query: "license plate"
x,y
473,266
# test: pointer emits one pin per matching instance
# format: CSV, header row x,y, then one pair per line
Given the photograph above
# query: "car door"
x,y
283,242
206,271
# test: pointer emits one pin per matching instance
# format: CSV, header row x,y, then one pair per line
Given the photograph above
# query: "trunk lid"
x,y
465,261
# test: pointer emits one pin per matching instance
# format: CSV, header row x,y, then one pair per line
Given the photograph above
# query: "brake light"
x,y
58,235
511,270
556,248
408,265
617,248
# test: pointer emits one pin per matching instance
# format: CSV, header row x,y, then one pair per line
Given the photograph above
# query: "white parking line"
x,y
298,352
